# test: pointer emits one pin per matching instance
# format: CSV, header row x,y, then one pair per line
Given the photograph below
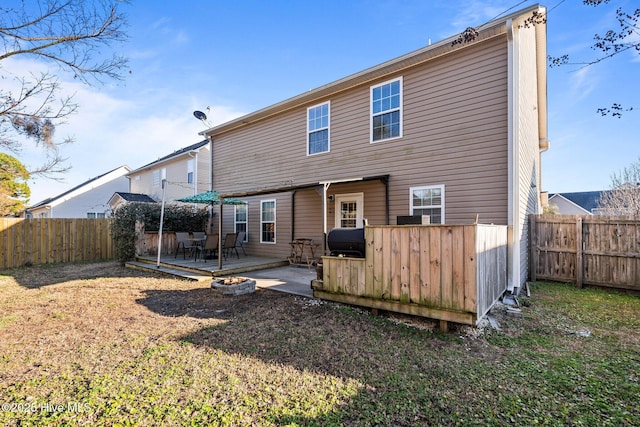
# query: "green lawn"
x,y
96,344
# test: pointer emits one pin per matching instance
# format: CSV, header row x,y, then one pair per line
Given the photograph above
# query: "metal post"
x,y
164,190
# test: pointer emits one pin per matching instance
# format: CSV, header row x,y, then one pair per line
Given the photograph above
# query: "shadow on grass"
x,y
402,370
38,276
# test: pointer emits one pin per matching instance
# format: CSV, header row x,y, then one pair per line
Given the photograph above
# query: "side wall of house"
x,y
563,206
94,200
203,170
454,134
528,139
281,247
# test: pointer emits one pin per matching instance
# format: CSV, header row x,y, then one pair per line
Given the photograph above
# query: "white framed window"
x,y
91,214
190,169
241,220
427,200
267,221
158,176
386,110
318,128
96,215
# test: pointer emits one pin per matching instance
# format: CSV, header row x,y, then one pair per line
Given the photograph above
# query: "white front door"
x,y
349,210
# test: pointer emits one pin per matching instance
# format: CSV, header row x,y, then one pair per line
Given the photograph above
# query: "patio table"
x,y
302,251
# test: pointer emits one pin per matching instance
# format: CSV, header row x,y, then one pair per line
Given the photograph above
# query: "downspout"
x,y
194,156
513,252
386,196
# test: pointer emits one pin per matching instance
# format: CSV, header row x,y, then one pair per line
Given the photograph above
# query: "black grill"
x,y
346,242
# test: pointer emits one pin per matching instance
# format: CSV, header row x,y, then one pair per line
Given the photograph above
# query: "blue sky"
x,y
237,57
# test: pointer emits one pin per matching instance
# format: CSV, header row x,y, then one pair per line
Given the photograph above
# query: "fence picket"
x,y
52,240
592,249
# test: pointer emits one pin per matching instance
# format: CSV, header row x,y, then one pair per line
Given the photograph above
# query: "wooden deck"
x,y
204,270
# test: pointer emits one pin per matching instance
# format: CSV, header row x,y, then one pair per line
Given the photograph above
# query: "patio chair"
x,y
229,245
210,247
184,243
240,242
199,235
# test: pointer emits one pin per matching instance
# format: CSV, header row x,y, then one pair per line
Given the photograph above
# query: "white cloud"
x,y
110,131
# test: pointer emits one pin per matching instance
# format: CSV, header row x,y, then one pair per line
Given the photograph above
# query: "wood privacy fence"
x,y
446,272
50,240
591,249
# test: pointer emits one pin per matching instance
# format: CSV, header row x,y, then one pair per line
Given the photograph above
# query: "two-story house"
x,y
187,172
454,131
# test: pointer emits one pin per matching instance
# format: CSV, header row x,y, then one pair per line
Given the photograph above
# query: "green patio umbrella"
x,y
212,197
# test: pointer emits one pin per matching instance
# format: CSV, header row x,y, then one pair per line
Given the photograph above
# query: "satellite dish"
x,y
200,115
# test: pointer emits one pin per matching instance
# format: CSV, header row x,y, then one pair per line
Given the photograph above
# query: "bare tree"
x,y
615,41
72,34
624,196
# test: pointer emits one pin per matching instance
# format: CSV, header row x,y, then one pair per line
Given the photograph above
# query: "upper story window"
x,y
267,221
158,176
386,110
428,200
318,129
190,169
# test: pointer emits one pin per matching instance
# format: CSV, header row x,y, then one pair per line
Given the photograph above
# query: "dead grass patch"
x,y
102,345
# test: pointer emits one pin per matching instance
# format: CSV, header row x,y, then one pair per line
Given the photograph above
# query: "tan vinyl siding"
x,y
203,178
455,134
283,225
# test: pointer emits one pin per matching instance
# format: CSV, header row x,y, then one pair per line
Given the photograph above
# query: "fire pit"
x,y
233,286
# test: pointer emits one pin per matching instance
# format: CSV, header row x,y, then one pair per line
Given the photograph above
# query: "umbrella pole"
x,y
220,236
164,189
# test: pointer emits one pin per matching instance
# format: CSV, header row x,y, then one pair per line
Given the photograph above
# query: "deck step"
x,y
170,271
200,269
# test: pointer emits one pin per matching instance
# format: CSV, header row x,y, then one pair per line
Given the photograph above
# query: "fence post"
x,y
579,267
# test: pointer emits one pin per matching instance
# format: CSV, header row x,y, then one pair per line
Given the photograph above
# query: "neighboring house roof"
x,y
120,197
177,153
79,189
134,197
587,200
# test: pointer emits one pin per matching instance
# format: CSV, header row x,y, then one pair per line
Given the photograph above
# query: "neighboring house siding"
x,y
177,169
141,183
92,197
455,134
566,207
